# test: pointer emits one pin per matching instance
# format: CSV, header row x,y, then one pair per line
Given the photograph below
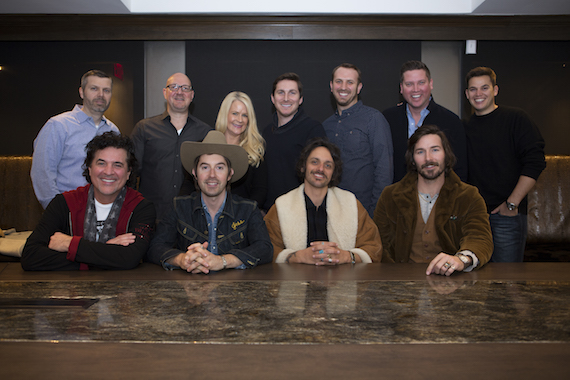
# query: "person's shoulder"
x,y
402,185
61,119
153,120
76,198
242,202
463,187
344,193
361,107
198,122
444,112
509,109
345,197
315,127
395,110
291,194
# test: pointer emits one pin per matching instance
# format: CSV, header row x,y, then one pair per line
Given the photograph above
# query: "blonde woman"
x,y
236,120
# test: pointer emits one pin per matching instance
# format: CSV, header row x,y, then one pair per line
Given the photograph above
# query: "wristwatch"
x,y
511,206
466,260
224,262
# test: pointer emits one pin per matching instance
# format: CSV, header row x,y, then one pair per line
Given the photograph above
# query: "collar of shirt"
x,y
213,224
426,204
349,111
412,123
82,117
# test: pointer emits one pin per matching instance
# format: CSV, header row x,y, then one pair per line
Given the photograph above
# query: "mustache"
x,y
431,163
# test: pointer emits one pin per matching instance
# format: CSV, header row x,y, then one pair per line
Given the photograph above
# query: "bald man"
x,y
158,140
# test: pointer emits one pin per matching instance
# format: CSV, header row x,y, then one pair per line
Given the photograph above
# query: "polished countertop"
x,y
292,305
287,312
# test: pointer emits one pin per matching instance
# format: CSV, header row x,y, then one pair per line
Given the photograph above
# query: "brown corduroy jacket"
x,y
461,219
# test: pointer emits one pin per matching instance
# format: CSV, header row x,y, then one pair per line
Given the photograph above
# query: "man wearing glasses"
x,y
157,144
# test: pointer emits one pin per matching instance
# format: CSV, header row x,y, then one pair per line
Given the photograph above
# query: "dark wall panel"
x,y
534,76
41,79
219,67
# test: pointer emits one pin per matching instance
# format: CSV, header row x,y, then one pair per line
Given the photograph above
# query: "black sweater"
x,y
502,146
283,147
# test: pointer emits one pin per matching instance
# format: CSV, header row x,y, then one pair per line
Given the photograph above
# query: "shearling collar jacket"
x,y
348,224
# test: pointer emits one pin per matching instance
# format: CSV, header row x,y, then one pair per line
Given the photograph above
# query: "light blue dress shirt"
x,y
412,127
213,227
59,152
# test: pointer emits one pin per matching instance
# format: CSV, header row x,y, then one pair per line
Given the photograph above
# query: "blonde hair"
x,y
250,139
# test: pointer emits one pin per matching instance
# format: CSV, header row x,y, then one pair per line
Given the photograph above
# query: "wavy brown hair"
x,y
424,131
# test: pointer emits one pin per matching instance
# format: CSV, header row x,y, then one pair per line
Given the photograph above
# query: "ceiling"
x,y
291,7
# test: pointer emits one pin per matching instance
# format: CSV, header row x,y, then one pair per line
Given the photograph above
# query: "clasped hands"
x,y
321,253
197,259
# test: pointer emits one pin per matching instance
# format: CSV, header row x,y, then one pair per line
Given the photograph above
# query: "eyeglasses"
x,y
174,87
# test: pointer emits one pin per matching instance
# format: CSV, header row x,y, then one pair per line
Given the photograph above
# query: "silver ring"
x,y
330,260
446,265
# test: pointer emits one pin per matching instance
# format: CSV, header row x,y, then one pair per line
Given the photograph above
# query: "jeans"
x,y
509,237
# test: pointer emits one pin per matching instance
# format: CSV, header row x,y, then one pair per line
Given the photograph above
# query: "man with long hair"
x,y
430,216
318,223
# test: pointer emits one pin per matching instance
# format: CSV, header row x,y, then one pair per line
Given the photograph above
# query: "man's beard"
x,y
434,174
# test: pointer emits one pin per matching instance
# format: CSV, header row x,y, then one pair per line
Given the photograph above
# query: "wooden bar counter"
x,y
505,321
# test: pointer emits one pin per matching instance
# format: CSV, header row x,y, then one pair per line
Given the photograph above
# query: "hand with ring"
x,y
444,264
325,253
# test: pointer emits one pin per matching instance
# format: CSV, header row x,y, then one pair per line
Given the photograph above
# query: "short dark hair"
x,y
424,131
334,151
288,76
110,140
413,65
348,66
96,73
479,72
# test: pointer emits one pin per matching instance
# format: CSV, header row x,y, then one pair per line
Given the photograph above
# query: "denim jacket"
x,y
241,231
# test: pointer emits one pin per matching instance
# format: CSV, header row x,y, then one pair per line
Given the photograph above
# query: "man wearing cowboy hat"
x,y
211,229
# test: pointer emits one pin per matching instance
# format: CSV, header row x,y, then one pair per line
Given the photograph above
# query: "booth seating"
x,y
549,213
19,208
548,206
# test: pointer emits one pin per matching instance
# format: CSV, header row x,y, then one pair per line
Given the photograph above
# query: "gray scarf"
x,y
110,226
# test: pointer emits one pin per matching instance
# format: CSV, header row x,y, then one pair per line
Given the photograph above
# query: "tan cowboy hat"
x,y
215,143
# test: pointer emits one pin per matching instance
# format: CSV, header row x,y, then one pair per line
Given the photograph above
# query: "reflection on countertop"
x,y
292,312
